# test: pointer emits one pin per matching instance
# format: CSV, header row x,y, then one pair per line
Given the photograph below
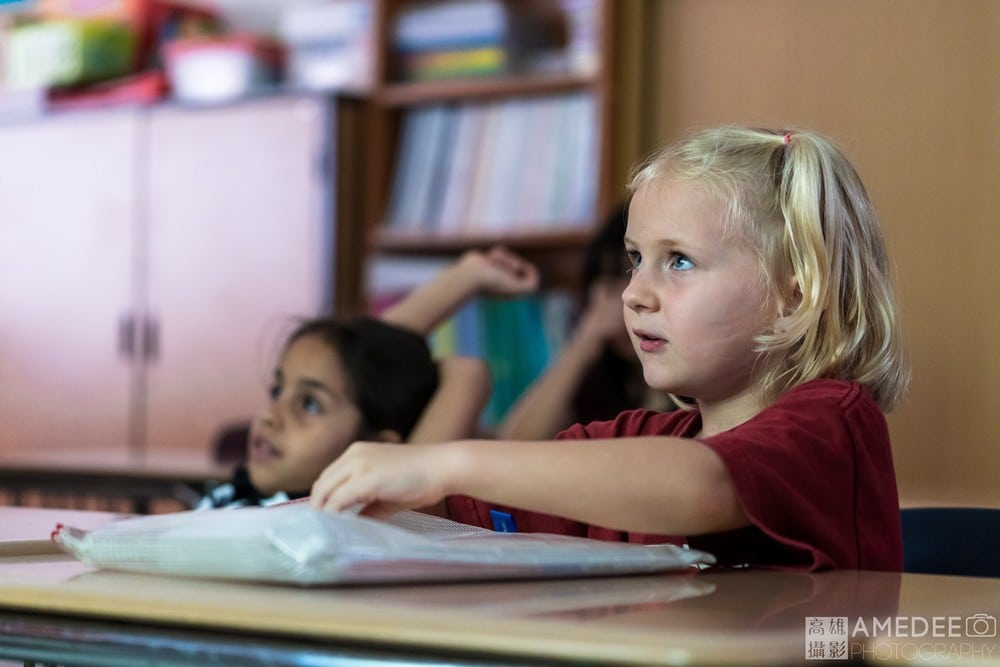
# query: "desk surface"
x,y
735,617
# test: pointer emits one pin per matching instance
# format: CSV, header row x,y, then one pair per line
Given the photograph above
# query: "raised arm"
x,y
497,271
453,412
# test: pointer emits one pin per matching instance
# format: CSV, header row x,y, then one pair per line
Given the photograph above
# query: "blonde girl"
x,y
760,289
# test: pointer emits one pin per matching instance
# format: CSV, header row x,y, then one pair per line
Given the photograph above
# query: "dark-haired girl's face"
x,y
309,421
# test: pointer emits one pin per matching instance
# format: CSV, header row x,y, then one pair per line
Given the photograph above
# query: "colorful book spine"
x,y
438,65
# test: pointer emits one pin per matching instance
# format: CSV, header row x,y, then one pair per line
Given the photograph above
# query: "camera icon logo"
x,y
981,625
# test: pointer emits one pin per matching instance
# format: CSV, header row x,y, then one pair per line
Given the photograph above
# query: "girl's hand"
x,y
499,271
382,479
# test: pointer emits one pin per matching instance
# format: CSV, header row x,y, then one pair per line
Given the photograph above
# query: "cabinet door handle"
x,y
126,336
150,339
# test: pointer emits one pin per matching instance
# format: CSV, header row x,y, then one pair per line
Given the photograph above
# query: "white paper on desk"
x,y
298,544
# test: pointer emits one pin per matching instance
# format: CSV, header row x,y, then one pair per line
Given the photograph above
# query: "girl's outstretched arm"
x,y
658,485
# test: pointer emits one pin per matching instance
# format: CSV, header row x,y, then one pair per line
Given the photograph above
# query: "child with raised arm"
x,y
368,379
760,288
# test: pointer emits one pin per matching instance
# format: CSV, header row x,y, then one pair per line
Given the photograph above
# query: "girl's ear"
x,y
388,435
789,302
792,297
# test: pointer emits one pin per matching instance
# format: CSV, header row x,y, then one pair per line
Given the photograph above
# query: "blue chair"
x,y
951,540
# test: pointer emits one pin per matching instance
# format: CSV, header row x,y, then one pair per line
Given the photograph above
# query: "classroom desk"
x,y
54,609
113,474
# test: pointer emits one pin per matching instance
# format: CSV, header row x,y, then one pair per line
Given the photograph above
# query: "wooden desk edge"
x,y
412,629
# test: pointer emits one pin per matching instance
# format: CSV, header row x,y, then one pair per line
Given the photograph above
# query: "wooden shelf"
x,y
557,245
524,241
409,93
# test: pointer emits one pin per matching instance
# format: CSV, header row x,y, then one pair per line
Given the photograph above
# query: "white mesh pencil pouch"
x,y
297,544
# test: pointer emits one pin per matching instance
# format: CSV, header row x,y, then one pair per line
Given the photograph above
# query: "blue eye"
x,y
274,391
634,260
679,262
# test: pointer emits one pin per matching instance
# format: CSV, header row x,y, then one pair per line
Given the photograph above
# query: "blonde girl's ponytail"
x,y
845,324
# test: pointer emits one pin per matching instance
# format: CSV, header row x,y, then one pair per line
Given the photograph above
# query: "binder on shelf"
x,y
422,159
402,194
577,205
482,178
460,178
432,144
439,159
535,177
495,209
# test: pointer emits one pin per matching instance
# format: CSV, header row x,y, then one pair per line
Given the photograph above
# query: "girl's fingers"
x,y
342,489
375,480
339,499
325,486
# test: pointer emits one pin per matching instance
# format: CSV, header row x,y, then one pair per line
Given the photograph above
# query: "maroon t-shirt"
x,y
813,473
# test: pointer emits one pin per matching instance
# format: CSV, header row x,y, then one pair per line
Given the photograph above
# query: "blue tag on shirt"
x,y
503,522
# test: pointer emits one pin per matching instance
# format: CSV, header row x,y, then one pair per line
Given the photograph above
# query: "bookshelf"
x,y
518,120
519,156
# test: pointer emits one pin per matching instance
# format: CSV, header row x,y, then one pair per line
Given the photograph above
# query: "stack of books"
x,y
473,38
452,39
522,165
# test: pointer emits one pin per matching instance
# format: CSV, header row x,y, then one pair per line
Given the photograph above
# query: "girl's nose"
x,y
638,295
270,415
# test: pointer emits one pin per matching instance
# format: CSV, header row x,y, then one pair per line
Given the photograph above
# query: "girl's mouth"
x,y
263,450
648,342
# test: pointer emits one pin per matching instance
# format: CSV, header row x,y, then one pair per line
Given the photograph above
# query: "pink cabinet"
x,y
150,263
68,196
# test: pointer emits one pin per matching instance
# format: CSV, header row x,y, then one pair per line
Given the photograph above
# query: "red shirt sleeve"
x,y
814,475
476,512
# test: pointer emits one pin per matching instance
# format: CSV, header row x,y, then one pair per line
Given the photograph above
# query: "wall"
x,y
911,91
